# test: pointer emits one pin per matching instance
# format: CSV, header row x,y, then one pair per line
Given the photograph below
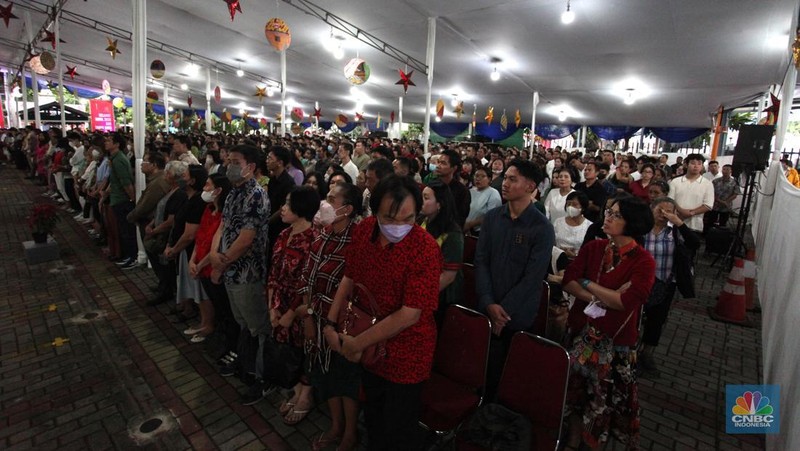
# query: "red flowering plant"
x,y
43,218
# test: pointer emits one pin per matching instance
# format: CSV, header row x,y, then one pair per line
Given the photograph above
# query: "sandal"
x,y
321,442
285,408
298,415
198,338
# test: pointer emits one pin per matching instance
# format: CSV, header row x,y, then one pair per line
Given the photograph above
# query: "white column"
x,y
533,123
762,103
167,117
283,93
400,117
139,76
57,25
24,91
208,99
787,98
584,132
429,62
7,93
37,115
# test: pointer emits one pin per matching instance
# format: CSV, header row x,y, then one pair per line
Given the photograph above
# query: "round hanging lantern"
x,y
157,69
263,122
357,71
278,34
297,129
341,120
152,97
297,114
217,94
47,60
37,66
118,102
226,116
106,87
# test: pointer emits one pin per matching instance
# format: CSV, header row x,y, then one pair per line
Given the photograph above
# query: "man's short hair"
x,y
248,152
117,138
453,158
527,169
381,168
348,147
185,140
384,151
157,159
282,154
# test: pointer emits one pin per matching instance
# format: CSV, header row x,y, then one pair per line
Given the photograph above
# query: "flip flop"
x,y
285,407
320,443
198,339
300,415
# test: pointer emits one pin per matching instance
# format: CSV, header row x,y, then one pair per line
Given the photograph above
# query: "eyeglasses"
x,y
613,214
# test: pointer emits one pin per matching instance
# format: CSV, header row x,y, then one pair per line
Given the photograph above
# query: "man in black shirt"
x,y
594,191
448,168
280,184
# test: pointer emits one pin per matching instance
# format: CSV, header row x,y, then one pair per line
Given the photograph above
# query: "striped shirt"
x,y
662,247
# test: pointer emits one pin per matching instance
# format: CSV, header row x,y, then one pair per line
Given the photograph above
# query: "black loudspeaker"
x,y
753,147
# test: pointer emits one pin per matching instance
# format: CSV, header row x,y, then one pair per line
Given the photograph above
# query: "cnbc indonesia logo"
x,y
752,410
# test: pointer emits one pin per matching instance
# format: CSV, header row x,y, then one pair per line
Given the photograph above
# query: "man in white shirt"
x,y
345,154
713,171
693,193
181,149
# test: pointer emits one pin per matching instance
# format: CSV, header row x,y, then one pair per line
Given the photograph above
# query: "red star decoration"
x,y
772,111
51,38
405,80
391,117
233,6
72,72
317,113
189,101
6,14
359,117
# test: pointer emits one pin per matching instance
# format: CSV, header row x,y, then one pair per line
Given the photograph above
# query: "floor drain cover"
x,y
92,315
150,425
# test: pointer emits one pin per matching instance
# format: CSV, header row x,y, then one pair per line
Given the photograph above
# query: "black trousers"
x,y
69,188
225,324
656,317
167,276
391,412
127,230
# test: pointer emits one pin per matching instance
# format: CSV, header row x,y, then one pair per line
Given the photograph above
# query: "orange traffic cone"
x,y
750,280
731,302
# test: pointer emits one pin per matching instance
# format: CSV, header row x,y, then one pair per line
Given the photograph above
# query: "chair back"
x,y
470,243
470,299
534,384
463,347
540,323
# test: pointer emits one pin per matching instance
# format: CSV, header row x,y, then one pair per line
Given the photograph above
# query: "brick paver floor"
x,y
120,363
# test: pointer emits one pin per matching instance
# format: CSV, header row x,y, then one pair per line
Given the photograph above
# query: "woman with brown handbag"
x,y
397,263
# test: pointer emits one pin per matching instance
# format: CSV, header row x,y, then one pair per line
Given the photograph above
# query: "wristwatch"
x,y
585,283
310,311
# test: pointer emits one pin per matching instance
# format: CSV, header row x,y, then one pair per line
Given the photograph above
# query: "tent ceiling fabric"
x,y
691,55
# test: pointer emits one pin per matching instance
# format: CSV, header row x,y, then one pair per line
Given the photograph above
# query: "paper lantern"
x,y
217,94
263,122
118,102
278,34
341,120
106,87
152,97
47,60
226,116
157,69
297,129
297,114
37,66
357,71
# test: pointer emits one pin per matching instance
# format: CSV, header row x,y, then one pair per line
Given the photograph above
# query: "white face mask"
x,y
594,311
326,215
573,212
96,154
395,233
208,196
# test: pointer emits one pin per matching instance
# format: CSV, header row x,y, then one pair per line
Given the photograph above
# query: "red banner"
x,y
102,113
2,119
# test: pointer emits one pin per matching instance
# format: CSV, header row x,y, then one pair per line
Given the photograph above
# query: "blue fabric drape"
x,y
449,129
677,134
555,131
494,131
613,132
158,109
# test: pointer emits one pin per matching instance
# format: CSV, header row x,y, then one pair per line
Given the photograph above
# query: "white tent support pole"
x,y
8,100
283,93
139,78
762,103
400,117
430,55
57,25
208,99
37,115
24,90
584,132
533,123
166,109
787,99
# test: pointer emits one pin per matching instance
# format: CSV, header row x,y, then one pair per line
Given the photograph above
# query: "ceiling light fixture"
x,y
338,52
270,91
184,86
562,116
630,96
239,72
495,75
568,16
454,101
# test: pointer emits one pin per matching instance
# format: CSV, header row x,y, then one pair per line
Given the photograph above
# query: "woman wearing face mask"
x,y
181,240
556,200
611,280
498,170
396,261
214,193
213,161
439,219
571,229
289,257
335,379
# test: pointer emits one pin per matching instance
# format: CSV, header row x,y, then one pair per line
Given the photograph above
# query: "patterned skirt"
x,y
603,389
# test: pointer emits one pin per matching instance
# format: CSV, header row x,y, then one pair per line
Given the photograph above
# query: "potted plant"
x,y
42,221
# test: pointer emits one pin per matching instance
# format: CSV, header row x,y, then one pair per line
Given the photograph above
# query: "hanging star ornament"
x,y
489,115
260,93
405,80
233,6
440,108
189,101
772,111
391,117
459,109
504,121
50,37
359,117
517,118
112,48
317,113
72,72
6,14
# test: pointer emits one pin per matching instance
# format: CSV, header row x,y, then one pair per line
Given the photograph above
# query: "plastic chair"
x,y
470,299
455,388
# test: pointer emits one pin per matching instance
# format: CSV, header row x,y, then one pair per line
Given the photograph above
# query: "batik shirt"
x,y
246,207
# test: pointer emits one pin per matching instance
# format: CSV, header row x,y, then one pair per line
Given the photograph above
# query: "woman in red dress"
x,y
639,188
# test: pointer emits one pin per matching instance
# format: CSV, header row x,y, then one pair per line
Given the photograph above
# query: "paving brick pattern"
x,y
130,363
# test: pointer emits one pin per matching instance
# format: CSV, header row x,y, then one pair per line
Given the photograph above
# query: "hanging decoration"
x,y
378,122
260,93
341,120
474,115
6,14
459,109
152,96
359,117
157,69
106,87
118,102
405,80
317,113
297,114
517,118
772,111
489,115
296,129
112,47
795,50
72,72
217,95
189,101
357,71
278,34
42,63
226,116
391,117
503,121
440,108
263,122
50,37
233,6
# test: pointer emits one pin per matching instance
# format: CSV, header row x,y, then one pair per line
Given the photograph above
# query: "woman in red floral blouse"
x,y
285,277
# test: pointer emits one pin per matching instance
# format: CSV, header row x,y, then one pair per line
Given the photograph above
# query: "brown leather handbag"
x,y
358,316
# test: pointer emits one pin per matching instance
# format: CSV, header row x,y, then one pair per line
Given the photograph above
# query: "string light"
x,y
568,16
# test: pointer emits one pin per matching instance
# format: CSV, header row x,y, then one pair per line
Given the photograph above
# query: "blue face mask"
x,y
395,233
432,167
330,148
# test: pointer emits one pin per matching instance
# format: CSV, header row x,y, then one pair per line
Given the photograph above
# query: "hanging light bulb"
x,y
270,91
338,53
630,96
239,72
184,86
454,102
568,16
562,116
437,119
495,75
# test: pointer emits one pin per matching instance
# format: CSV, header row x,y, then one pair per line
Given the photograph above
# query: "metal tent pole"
x,y
429,62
